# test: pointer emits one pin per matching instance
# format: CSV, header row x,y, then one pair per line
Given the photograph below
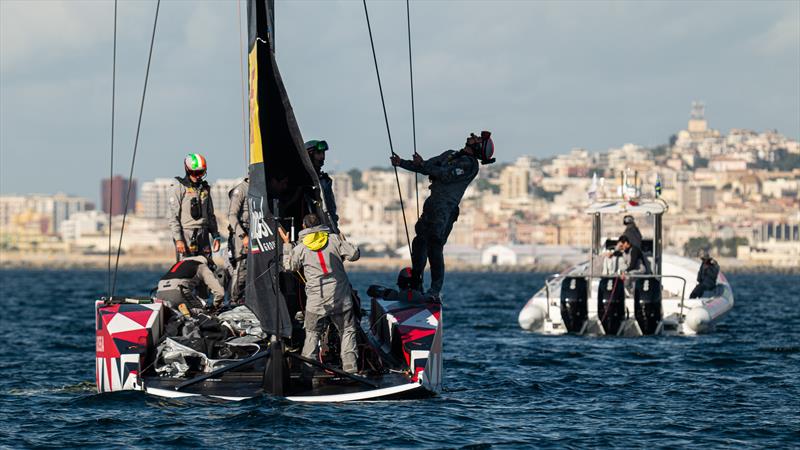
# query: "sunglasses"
x,y
320,146
197,173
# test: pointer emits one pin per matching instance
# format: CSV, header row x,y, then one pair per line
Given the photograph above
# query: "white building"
x,y
83,224
57,208
154,198
219,195
515,180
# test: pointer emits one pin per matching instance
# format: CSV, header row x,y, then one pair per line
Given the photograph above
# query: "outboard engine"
x,y
611,304
573,303
647,304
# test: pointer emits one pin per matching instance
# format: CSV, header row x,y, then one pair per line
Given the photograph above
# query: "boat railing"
x,y
589,279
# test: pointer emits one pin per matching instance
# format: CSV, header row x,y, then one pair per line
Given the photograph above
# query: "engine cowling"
x,y
574,303
647,304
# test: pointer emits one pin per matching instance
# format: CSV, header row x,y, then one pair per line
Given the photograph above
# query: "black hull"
x,y
246,385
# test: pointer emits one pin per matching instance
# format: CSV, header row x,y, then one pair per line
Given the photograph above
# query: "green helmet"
x,y
316,145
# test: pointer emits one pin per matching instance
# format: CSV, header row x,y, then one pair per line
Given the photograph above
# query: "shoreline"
x,y
162,261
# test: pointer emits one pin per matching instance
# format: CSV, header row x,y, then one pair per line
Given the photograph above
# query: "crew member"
x,y
632,231
706,276
450,173
611,262
316,151
321,254
405,286
191,212
188,282
238,238
635,262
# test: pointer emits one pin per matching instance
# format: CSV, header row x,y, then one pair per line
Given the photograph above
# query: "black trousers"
x,y
433,228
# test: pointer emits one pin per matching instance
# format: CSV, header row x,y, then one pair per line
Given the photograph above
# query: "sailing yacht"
x,y
253,350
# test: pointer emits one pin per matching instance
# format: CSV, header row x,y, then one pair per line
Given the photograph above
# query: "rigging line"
x,y
244,86
388,131
111,164
135,145
413,118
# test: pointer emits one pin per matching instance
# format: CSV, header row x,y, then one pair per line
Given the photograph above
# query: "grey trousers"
x,y
345,323
239,274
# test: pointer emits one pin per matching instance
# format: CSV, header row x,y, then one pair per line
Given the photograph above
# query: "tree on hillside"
x,y
695,246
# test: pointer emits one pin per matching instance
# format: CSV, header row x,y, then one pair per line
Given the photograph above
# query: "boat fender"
x,y
698,319
531,318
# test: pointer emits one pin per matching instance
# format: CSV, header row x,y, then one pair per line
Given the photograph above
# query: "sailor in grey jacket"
x,y
321,254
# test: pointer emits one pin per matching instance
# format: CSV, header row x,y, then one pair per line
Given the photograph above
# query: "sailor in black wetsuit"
x,y
706,276
450,173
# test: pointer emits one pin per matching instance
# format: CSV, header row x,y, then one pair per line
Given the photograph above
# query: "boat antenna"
x,y
135,146
111,163
388,131
413,118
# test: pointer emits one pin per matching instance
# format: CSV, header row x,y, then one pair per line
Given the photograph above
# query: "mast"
x,y
276,153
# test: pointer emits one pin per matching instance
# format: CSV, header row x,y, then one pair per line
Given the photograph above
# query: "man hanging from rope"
x,y
450,173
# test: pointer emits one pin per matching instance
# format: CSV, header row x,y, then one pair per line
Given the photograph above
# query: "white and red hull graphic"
x,y
124,334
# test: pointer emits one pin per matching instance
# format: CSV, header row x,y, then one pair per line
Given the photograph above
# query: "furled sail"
x,y
280,171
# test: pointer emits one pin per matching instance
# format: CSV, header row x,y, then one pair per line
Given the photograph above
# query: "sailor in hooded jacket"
x,y
450,174
320,253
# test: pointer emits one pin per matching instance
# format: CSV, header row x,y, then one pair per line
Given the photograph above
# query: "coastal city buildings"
x,y
737,194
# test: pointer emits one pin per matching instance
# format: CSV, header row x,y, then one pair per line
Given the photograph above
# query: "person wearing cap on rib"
x,y
450,173
316,151
706,276
191,212
632,231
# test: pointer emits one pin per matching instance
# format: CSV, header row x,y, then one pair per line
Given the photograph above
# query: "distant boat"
x,y
400,351
589,298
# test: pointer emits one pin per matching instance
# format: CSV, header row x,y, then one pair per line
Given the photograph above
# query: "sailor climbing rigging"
x,y
191,211
450,173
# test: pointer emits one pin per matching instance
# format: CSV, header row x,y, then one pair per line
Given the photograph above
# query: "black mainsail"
x,y
277,158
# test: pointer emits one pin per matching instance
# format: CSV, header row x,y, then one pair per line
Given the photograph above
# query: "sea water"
x,y
504,387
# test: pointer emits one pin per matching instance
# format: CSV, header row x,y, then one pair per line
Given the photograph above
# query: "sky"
x,y
543,76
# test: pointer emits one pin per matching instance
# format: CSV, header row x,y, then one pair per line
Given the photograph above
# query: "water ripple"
x,y
504,388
